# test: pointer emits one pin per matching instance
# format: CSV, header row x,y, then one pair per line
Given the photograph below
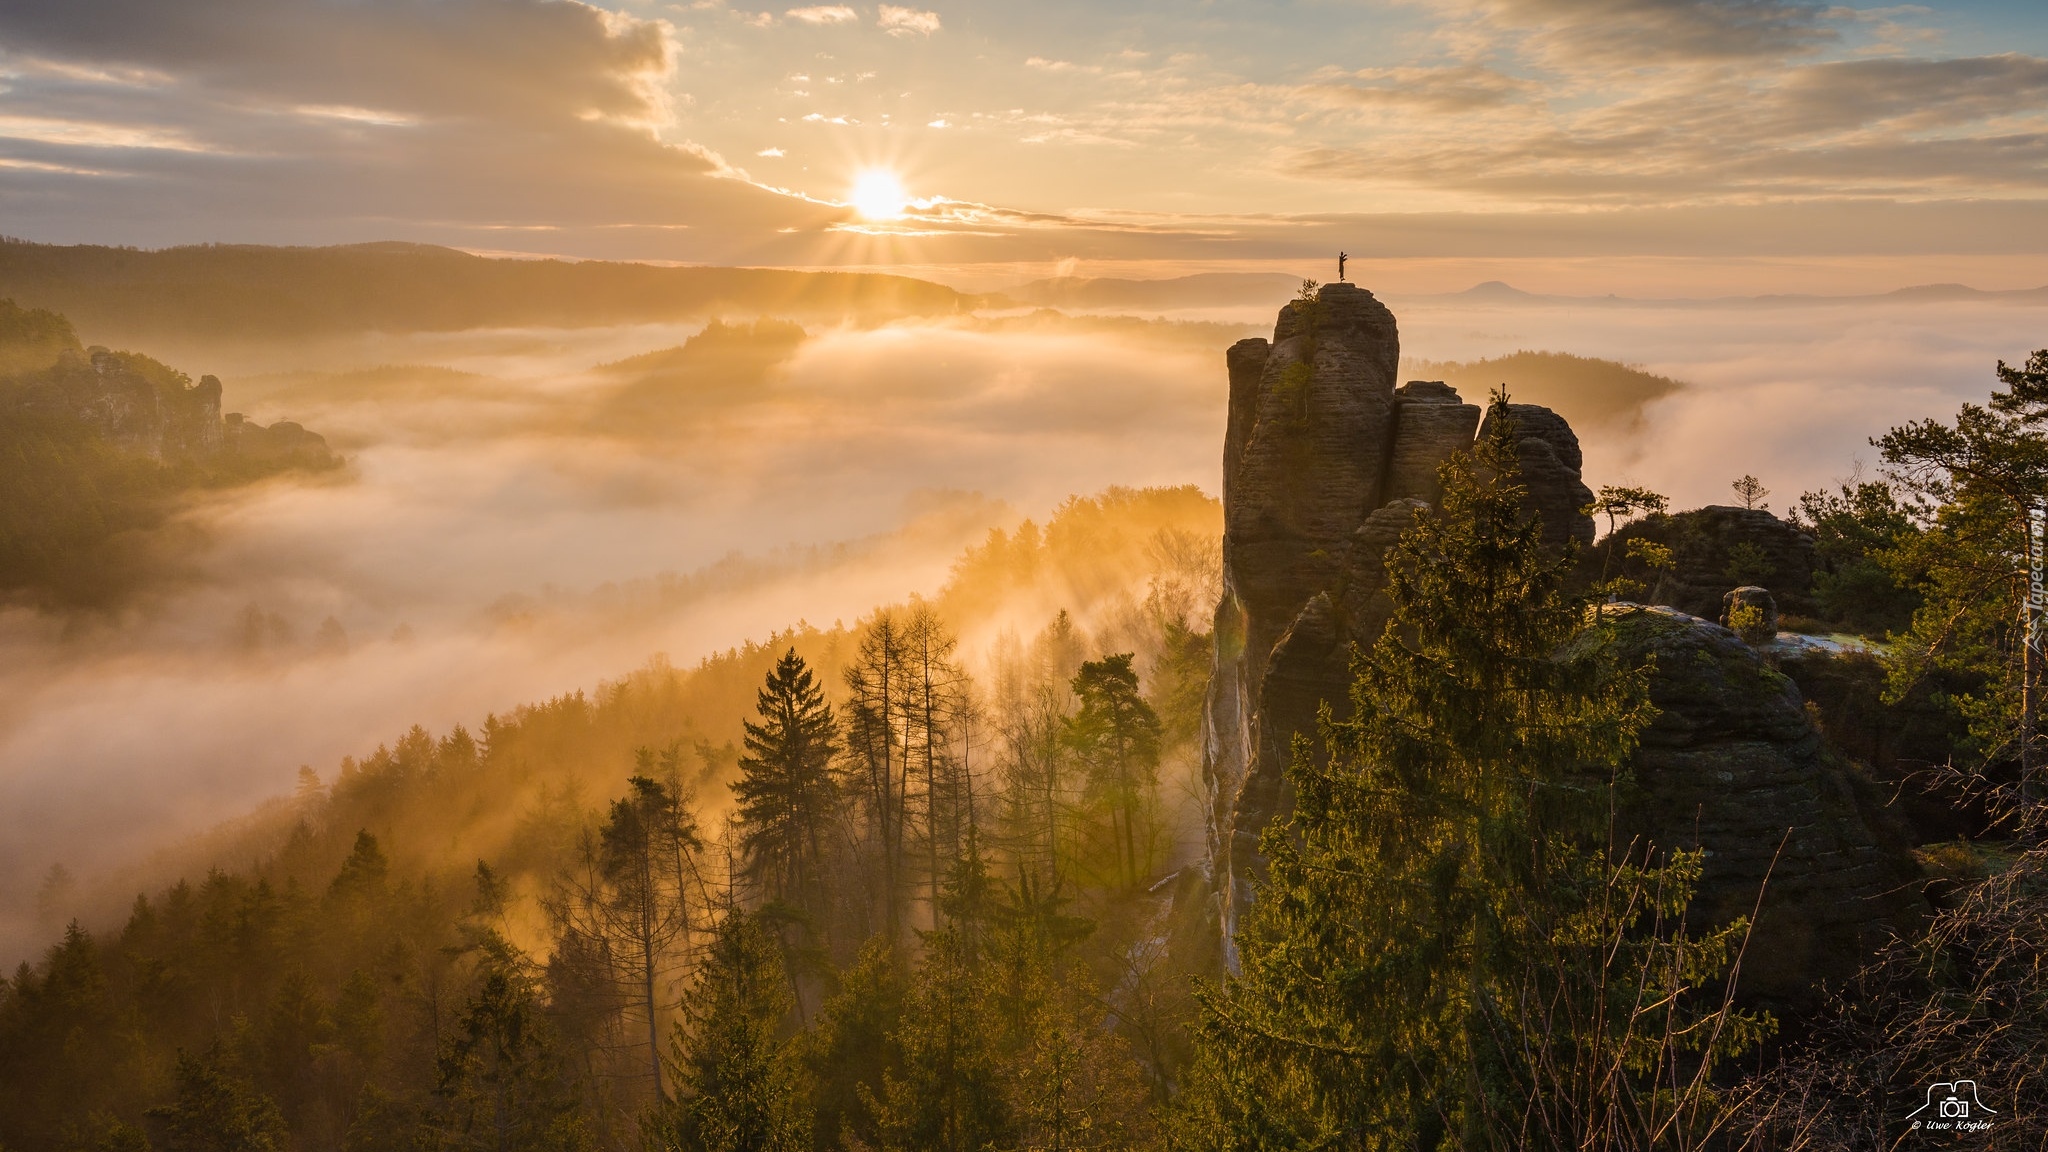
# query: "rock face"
x,y
1324,463
1734,765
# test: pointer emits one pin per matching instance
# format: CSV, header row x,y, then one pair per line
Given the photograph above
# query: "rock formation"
x,y
1751,613
139,405
1734,765
1717,548
1324,463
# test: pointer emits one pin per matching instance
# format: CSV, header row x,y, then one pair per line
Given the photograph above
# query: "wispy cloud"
x,y
823,14
906,21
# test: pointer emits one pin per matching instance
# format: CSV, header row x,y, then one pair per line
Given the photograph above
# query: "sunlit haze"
x,y
955,263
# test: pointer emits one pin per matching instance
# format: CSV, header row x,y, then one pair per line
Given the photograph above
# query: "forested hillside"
x,y
97,446
930,864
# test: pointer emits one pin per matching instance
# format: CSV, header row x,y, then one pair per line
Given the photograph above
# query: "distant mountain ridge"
x,y
256,292
1497,291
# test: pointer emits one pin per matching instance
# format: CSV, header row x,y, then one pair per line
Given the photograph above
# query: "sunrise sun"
x,y
879,195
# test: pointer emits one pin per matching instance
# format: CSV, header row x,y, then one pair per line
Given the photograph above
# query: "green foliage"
x,y
1859,531
1750,491
1969,485
387,974
81,493
947,1092
738,1084
1748,564
216,1111
1115,737
502,1087
1445,953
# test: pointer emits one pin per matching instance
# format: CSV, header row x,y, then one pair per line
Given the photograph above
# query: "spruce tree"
x,y
786,792
738,1085
1437,957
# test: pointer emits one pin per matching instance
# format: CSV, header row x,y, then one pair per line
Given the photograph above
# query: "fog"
x,y
526,512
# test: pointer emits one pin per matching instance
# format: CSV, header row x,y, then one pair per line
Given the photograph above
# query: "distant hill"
x,y
1205,290
1586,390
264,293
1497,292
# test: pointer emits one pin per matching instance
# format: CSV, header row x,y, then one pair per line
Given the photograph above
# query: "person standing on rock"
x,y
1341,258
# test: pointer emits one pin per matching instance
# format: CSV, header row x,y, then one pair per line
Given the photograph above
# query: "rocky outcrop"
x,y
1717,548
1733,765
139,405
1325,461
1550,459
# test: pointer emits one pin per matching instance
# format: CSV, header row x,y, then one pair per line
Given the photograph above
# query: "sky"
x,y
1887,144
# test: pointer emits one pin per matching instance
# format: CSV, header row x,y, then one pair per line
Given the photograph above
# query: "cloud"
x,y
1445,89
906,21
428,119
1885,126
823,14
1633,33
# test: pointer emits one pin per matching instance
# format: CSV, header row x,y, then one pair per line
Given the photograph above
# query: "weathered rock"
x,y
1717,548
1550,459
1733,765
1430,423
1314,446
1750,613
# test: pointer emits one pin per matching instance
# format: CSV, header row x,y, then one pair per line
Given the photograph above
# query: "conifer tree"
x,y
786,791
738,1084
215,1110
1115,735
501,1083
1444,954
876,685
950,1094
852,1045
626,907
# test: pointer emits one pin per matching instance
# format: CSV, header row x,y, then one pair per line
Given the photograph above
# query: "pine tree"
x,y
1444,954
738,1085
1115,735
625,910
786,791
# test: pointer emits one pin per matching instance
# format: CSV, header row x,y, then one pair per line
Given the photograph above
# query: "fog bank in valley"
x,y
527,512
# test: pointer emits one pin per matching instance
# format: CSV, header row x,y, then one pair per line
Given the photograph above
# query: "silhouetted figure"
x,y
1341,258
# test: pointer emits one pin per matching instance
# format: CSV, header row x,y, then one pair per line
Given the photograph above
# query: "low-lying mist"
x,y
525,513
